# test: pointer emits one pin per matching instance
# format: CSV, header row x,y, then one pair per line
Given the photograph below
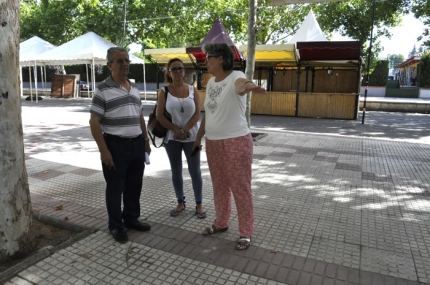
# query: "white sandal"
x,y
243,241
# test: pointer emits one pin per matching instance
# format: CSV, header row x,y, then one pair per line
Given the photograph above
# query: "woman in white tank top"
x,y
183,103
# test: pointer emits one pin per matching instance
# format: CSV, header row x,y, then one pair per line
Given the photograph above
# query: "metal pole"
x,y
29,75
125,21
158,81
20,80
368,63
35,81
88,82
44,74
250,61
94,78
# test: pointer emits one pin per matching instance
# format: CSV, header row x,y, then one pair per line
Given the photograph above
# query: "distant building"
x,y
406,72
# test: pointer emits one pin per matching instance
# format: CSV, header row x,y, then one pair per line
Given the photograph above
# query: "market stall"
x,y
309,76
314,79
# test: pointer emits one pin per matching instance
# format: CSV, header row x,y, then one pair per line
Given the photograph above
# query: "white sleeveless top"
x,y
174,105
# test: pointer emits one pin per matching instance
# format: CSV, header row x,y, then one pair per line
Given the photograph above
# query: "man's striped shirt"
x,y
119,110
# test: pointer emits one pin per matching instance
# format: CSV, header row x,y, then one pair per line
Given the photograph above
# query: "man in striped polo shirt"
x,y
118,127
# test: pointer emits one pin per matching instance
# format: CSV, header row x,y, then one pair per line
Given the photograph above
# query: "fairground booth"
x,y
307,77
311,79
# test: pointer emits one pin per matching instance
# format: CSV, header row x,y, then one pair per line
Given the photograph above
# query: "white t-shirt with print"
x,y
225,109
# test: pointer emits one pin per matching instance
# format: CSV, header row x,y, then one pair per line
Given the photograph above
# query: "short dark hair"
x,y
167,77
112,50
221,49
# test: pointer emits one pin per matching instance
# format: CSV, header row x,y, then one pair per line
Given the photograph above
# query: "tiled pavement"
x,y
329,209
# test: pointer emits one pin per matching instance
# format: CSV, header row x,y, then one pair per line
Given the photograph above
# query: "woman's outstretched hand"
x,y
249,86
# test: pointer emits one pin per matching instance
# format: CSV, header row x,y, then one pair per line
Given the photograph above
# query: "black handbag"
x,y
155,129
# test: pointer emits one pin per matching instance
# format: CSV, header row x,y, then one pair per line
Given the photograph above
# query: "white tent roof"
x,y
82,50
309,31
31,48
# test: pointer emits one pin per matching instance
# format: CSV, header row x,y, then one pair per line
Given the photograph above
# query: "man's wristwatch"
x,y
146,139
182,130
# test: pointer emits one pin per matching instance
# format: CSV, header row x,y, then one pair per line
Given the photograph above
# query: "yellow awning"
x,y
273,53
163,56
263,53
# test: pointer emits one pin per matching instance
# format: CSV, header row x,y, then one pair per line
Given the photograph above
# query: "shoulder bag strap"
x,y
153,140
152,137
166,89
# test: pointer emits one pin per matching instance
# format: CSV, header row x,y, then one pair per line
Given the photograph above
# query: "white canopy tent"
x,y
285,54
309,31
28,51
252,23
89,48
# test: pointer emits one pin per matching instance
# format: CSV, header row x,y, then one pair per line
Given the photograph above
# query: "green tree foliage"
x,y
161,23
166,23
276,24
353,19
421,9
412,52
54,21
395,59
424,67
174,23
379,75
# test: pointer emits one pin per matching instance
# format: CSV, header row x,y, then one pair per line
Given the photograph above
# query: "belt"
x,y
121,138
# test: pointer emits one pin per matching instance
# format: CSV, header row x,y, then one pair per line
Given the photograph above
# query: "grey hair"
x,y
112,50
221,49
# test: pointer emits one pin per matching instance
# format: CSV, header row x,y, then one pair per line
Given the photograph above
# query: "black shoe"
x,y
139,226
119,235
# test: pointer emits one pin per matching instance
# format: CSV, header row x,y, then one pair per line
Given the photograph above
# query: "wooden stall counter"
x,y
274,103
313,105
328,105
271,103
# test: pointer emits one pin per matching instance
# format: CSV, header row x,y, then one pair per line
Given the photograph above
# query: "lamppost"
x,y
389,63
125,23
368,62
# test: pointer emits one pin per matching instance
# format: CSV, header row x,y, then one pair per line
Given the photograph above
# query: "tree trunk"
x,y
15,204
250,61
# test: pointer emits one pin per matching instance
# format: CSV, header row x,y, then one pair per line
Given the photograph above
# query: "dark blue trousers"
x,y
124,181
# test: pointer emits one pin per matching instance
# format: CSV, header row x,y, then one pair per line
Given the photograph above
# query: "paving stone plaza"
x,y
336,202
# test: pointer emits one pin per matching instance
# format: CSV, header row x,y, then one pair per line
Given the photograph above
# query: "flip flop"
x,y
174,213
200,215
213,230
243,243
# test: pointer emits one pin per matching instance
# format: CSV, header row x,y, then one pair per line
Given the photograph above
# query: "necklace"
x,y
183,99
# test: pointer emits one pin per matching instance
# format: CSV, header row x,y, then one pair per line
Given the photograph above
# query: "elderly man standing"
x,y
119,130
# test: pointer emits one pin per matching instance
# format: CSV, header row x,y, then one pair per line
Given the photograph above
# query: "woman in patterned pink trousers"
x,y
229,145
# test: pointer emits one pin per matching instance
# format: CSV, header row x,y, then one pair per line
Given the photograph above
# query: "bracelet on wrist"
x,y
182,130
146,139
